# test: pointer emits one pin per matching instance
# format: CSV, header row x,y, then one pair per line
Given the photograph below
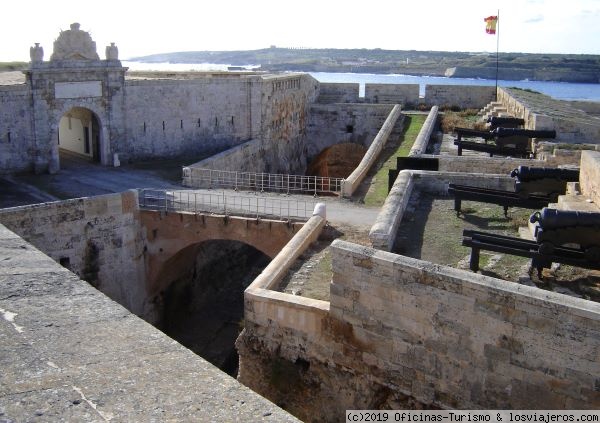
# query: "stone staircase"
x,y
494,108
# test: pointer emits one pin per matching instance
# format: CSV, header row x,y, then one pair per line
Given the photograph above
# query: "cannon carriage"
x,y
551,182
556,228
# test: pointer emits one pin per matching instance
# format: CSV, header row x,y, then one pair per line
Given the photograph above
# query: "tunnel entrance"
x,y
337,161
79,134
204,309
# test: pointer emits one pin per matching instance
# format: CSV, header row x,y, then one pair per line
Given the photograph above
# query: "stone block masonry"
x,y
590,175
16,137
333,124
69,353
461,340
404,333
97,238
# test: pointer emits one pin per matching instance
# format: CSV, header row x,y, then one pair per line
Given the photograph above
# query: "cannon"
x,y
518,138
543,180
556,228
505,122
507,141
468,132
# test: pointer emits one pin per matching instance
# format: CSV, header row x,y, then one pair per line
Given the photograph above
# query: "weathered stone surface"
x,y
70,353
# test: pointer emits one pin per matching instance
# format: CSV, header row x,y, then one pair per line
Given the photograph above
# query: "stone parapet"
x,y
356,177
420,144
69,353
589,178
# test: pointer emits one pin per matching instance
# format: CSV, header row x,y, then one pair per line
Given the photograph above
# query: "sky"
x,y
150,26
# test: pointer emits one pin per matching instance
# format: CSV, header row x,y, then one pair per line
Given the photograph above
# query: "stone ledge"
x,y
70,353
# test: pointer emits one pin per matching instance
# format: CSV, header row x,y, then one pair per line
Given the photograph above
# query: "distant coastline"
x,y
576,68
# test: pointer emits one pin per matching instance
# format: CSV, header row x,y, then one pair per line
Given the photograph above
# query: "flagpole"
x,y
497,48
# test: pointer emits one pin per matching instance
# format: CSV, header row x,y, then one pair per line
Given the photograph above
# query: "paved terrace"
x,y
69,353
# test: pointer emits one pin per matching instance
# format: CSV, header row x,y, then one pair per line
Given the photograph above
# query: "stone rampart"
x,y
97,238
461,96
457,339
404,333
16,140
338,93
404,94
69,353
590,175
541,112
338,123
174,117
357,176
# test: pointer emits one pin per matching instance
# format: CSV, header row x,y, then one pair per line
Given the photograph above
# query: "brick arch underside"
x,y
172,241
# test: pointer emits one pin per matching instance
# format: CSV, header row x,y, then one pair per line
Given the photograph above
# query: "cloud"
x,y
535,19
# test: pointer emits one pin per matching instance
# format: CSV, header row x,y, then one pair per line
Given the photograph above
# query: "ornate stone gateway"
x,y
77,100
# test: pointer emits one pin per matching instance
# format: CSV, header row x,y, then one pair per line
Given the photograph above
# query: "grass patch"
x,y
378,190
463,119
12,66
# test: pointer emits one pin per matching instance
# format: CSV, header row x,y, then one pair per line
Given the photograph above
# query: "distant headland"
x,y
511,66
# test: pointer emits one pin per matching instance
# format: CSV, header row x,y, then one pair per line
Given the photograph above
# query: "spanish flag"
x,y
490,24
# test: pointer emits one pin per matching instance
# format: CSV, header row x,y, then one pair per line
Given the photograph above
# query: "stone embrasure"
x,y
67,352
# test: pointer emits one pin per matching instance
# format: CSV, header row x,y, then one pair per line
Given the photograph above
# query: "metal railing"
x,y
224,203
297,184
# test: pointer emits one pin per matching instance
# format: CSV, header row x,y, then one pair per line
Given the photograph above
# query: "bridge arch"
x,y
170,239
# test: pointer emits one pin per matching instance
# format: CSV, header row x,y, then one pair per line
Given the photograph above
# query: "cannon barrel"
x,y
554,219
527,173
529,133
468,132
510,122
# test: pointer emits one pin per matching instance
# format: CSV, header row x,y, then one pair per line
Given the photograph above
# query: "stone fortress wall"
x,y
100,239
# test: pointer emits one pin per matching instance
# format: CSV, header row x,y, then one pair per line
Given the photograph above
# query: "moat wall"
x,y
97,238
401,332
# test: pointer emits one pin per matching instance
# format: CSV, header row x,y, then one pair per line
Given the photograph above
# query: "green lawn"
x,y
379,187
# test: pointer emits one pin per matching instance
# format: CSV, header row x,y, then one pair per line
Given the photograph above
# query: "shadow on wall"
x,y
204,309
337,161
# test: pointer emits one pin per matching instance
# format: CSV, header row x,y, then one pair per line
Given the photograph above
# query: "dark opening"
x,y
64,262
204,309
349,129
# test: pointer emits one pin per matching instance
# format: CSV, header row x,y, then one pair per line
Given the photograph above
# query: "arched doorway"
x,y
337,161
203,306
79,135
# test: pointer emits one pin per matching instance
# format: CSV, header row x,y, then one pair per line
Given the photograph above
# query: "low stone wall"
x,y
457,339
356,177
246,157
383,232
338,93
420,144
474,164
404,333
97,238
589,178
462,96
331,124
404,94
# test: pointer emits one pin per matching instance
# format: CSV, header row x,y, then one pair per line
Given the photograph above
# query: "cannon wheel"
x,y
592,254
546,248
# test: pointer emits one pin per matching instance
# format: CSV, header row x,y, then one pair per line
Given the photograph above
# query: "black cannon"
x,y
519,138
505,122
543,180
559,227
468,132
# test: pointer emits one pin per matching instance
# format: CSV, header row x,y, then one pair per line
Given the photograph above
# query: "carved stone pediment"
x,y
74,44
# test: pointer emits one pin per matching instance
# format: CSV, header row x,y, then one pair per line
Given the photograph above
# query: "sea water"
x,y
557,90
